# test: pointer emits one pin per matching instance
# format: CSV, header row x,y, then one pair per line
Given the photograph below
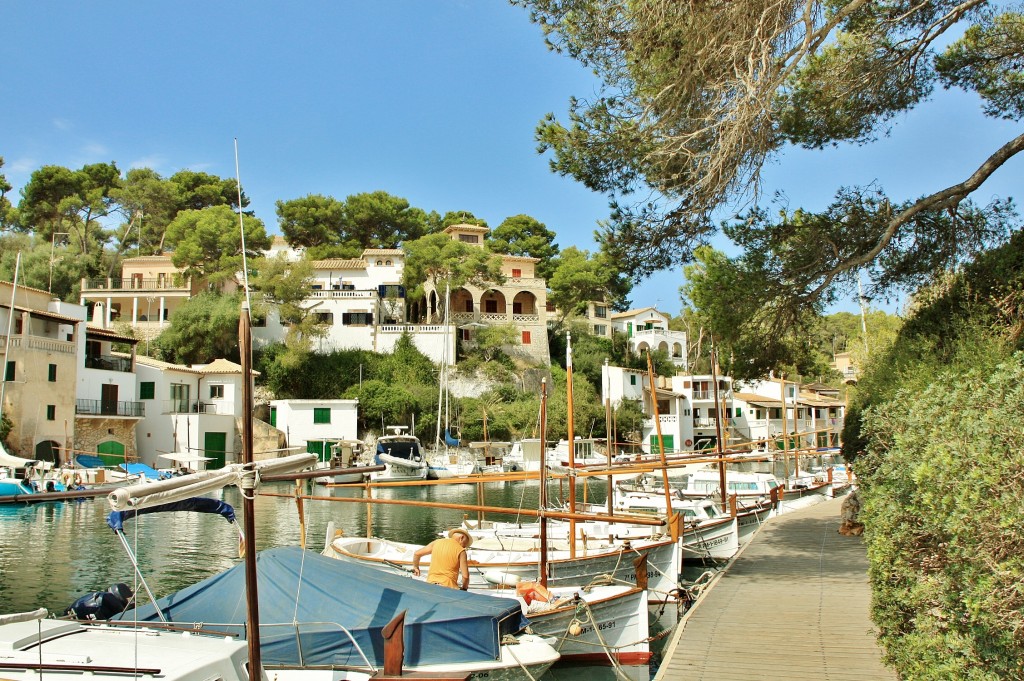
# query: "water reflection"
x,y
52,553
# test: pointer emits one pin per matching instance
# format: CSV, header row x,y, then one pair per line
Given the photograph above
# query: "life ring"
x,y
688,442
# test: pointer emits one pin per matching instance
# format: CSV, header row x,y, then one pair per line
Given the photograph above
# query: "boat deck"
x,y
793,605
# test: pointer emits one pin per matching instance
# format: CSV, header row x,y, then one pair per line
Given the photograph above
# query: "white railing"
x,y
526,318
331,293
411,328
704,423
493,317
41,343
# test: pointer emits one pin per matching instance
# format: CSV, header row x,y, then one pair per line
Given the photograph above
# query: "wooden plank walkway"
x,y
793,605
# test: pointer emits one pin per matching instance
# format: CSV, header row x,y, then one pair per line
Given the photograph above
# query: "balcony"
x,y
109,363
109,408
165,284
193,407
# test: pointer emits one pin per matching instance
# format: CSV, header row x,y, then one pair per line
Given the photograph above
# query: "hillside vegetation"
x,y
936,432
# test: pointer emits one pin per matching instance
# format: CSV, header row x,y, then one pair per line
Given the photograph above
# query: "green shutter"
x,y
321,415
147,390
273,416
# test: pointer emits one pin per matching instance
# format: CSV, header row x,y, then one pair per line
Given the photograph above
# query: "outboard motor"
x,y
101,605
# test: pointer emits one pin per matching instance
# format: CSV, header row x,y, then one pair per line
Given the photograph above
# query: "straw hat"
x,y
467,535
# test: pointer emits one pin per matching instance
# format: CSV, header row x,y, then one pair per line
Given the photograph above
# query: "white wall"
x,y
295,419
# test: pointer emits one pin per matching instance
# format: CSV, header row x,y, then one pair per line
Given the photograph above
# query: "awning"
x,y
185,457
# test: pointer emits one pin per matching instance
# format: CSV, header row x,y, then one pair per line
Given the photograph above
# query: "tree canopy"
x,y
697,97
332,228
524,235
209,245
443,261
580,277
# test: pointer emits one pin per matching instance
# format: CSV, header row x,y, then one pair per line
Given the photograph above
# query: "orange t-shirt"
x,y
444,562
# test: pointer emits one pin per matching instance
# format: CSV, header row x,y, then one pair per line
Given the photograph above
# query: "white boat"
x,y
401,456
612,618
449,463
34,647
340,453
489,566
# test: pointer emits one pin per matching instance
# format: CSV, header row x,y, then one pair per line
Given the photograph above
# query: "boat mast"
x,y
248,483
718,427
661,448
543,494
572,443
608,431
7,342
785,433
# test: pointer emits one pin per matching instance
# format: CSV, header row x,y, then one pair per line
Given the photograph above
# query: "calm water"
x,y
52,553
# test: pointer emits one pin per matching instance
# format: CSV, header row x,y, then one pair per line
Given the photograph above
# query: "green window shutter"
x,y
273,416
147,390
321,415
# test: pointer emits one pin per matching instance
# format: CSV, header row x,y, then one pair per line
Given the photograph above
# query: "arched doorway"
x,y
48,450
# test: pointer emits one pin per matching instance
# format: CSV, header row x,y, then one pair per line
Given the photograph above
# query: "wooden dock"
x,y
793,605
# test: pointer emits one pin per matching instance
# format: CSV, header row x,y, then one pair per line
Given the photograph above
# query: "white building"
x,y
190,410
689,408
647,329
308,423
362,303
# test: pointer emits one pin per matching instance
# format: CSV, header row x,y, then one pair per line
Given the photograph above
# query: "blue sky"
x,y
432,100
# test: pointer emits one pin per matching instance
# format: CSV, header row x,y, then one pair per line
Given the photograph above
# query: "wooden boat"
x,y
495,566
322,614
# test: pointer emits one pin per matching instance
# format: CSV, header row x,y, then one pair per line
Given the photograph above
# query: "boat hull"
x,y
488,567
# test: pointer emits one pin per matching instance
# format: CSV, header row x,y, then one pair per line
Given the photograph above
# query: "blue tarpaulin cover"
x,y
196,505
442,625
143,469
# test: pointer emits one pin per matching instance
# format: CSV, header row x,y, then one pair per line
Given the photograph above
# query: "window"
x,y
632,379
356,318
180,395
549,307
600,311
526,337
321,415
51,412
380,262
601,329
739,412
388,263
17,326
469,305
147,390
517,273
217,391
324,318
52,376
317,287
469,238
491,306
9,374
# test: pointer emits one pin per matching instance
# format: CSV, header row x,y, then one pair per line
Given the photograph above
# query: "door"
x,y
215,446
108,399
320,448
111,453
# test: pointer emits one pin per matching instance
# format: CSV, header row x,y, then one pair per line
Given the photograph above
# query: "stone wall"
x,y
90,432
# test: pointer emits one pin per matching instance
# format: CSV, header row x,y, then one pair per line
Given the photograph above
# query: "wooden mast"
x,y
248,495
669,515
608,432
785,435
722,487
572,443
543,495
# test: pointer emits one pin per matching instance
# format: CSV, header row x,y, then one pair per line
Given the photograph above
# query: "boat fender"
x,y
497,577
575,628
688,442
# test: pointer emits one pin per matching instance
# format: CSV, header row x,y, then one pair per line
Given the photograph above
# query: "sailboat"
x,y
448,459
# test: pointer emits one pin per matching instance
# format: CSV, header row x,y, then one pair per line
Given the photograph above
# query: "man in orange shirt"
x,y
447,559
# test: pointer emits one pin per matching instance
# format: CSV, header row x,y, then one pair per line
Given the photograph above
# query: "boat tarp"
x,y
89,461
322,595
142,469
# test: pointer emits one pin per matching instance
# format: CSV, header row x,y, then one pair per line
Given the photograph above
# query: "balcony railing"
x,y
109,408
194,407
169,283
109,363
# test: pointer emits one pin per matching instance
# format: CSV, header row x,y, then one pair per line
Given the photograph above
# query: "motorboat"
x,y
34,646
401,455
